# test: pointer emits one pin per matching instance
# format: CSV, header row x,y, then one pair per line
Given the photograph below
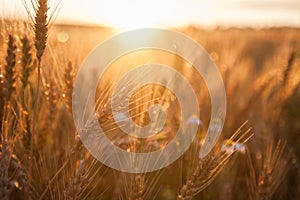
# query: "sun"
x,y
135,14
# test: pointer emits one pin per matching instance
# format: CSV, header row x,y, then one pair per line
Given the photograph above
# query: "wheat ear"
x,y
41,28
10,74
288,68
8,78
137,187
26,61
2,97
69,79
211,165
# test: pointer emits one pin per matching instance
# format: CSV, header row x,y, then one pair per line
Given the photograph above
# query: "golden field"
x,y
43,158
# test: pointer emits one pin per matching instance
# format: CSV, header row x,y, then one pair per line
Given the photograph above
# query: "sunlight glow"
x,y
136,14
132,14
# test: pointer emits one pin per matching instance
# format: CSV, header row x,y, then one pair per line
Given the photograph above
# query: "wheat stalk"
x,y
40,30
6,184
75,149
12,174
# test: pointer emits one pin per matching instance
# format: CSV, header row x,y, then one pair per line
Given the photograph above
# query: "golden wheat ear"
x,y
10,71
68,84
41,28
41,16
288,69
26,61
2,95
8,77
210,166
137,187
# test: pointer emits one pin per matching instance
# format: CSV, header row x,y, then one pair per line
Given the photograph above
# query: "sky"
x,y
129,14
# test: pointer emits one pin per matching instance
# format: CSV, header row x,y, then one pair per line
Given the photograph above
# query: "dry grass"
x,y
42,157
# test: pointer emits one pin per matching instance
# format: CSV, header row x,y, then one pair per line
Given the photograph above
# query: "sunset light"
x,y
149,99
133,14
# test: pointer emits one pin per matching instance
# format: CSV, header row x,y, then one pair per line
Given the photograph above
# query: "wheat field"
x,y
42,156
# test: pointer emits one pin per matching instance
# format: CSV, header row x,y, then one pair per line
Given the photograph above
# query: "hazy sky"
x,y
145,13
